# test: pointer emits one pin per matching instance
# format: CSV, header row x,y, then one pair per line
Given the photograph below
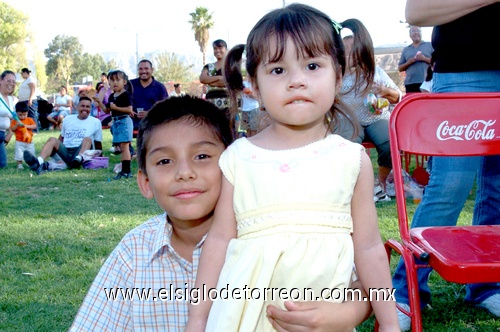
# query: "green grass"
x,y
60,227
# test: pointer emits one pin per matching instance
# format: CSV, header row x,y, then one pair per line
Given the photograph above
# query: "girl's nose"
x,y
297,80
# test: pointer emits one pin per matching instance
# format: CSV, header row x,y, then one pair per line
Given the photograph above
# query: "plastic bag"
x,y
411,187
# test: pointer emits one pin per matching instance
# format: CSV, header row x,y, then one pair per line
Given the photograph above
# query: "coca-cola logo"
x,y
476,130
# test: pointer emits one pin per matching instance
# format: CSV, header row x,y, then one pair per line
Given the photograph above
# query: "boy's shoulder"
x,y
28,121
151,235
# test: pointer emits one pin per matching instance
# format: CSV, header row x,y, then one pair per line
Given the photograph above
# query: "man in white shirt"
x,y
80,132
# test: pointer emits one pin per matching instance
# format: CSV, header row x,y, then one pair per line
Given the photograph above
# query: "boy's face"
x,y
183,174
22,115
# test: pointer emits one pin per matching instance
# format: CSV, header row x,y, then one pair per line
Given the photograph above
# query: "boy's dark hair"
x,y
219,43
176,85
190,109
22,107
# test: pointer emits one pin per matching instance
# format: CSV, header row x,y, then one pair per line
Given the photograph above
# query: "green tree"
x,y
63,53
89,65
169,66
13,35
201,22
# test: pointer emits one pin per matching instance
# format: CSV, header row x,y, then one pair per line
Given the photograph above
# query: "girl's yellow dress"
x,y
293,212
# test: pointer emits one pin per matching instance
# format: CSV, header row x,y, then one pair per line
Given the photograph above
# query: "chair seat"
x,y
467,254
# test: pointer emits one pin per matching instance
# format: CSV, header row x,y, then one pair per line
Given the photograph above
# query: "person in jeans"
x,y
452,178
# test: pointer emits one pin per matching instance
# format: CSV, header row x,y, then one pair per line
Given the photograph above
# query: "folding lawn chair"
x,y
451,124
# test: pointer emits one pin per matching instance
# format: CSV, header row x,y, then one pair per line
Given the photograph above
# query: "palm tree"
x,y
201,22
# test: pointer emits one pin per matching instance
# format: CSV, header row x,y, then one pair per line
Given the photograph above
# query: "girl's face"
x,y
297,91
117,83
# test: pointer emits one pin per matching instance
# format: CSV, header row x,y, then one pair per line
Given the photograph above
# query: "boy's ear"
x,y
144,186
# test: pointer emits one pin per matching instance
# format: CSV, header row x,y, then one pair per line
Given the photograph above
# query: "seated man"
x,y
79,133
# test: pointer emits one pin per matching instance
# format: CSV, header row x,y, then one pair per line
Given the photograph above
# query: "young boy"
x,y
178,148
24,133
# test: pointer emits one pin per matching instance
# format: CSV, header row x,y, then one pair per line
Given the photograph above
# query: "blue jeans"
x,y
450,182
3,151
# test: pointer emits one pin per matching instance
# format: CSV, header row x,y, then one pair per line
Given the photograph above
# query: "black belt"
x,y
118,117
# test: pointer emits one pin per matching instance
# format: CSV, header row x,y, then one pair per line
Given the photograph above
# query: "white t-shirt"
x,y
426,86
63,100
5,114
248,103
75,130
24,89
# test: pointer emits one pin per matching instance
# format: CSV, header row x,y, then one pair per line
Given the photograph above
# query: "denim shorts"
x,y
123,129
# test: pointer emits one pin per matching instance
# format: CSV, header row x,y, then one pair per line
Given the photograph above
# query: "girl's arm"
x,y
213,254
370,256
103,107
431,12
128,109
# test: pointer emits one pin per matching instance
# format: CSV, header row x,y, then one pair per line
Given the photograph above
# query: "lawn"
x,y
57,229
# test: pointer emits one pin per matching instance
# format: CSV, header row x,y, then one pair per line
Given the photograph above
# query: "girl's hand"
x,y
315,316
112,106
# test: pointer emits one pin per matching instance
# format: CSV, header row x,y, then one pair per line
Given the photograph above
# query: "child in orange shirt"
x,y
24,133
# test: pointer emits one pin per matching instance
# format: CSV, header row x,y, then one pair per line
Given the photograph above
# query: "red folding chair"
x,y
451,124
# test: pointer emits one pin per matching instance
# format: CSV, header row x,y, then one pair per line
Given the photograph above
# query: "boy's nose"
x,y
185,171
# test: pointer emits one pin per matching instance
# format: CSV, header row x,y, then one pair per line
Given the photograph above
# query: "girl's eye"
x,y
277,71
312,66
164,162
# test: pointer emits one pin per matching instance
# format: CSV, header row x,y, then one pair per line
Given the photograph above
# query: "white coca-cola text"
x,y
476,130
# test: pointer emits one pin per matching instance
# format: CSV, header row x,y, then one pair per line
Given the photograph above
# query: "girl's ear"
x,y
255,88
144,185
338,83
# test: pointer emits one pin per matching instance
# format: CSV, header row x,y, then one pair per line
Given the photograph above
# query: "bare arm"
x,y
369,253
407,64
431,12
127,109
212,258
98,100
316,316
217,81
32,87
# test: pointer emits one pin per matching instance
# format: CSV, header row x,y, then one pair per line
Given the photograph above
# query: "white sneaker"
x,y
404,320
379,195
20,166
492,304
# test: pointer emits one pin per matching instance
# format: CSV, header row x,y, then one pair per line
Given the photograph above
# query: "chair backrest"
x,y
442,124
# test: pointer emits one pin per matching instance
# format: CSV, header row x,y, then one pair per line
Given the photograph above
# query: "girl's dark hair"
x,y
189,109
362,55
121,74
7,72
311,31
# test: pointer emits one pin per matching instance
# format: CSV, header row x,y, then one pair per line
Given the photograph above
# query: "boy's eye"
x,y
202,156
